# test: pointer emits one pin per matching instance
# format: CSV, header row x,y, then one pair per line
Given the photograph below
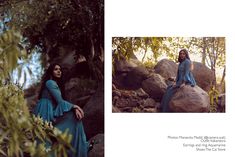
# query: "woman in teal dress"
x,y
64,115
184,77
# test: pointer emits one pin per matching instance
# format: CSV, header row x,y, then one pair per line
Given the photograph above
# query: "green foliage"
x,y
13,58
126,47
10,52
211,49
213,94
149,64
52,24
20,132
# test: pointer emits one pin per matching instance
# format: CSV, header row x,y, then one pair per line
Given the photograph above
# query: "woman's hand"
x,y
78,112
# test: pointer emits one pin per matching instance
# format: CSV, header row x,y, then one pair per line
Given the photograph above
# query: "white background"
x,y
145,134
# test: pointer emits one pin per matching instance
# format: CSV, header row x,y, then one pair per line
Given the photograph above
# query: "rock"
x,y
116,93
221,103
135,77
122,65
158,106
126,93
119,80
155,86
94,113
203,75
115,109
131,102
114,87
190,99
80,69
98,147
166,68
149,102
82,100
222,100
150,110
141,93
126,101
78,91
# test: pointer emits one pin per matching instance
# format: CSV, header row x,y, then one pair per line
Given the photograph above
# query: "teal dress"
x,y
184,75
53,108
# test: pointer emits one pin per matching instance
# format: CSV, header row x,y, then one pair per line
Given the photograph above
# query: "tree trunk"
x,y
222,80
145,51
213,62
95,64
204,51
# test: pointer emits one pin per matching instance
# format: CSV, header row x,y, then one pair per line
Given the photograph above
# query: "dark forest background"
x,y
34,34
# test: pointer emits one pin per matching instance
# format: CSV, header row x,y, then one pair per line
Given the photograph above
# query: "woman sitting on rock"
x,y
184,77
64,115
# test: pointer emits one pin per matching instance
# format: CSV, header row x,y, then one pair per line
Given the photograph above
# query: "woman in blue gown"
x,y
63,114
184,77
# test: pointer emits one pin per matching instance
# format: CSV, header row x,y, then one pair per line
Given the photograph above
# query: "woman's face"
x,y
57,71
182,55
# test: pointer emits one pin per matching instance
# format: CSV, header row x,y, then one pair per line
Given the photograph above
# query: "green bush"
x,y
23,134
213,95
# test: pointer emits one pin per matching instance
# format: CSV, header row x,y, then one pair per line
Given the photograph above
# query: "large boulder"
x,y
121,68
155,86
166,68
123,65
221,103
190,99
79,91
94,113
203,75
135,77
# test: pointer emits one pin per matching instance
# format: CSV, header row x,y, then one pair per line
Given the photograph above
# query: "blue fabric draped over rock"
x,y
184,75
53,108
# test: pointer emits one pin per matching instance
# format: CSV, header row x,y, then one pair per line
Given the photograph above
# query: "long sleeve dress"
x,y
184,75
53,108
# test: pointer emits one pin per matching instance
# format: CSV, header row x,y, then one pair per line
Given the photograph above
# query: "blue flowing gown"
x,y
184,75
53,108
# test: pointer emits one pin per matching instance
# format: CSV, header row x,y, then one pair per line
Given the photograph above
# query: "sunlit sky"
x,y
35,66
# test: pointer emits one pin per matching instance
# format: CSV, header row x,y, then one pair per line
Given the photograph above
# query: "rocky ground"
x,y
138,89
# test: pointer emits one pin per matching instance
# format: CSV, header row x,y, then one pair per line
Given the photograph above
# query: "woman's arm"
x,y
54,90
179,79
62,105
187,69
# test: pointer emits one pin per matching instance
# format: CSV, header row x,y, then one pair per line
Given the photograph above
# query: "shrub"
x,y
23,134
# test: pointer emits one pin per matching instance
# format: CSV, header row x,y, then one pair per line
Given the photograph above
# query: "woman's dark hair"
x,y
186,53
48,76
